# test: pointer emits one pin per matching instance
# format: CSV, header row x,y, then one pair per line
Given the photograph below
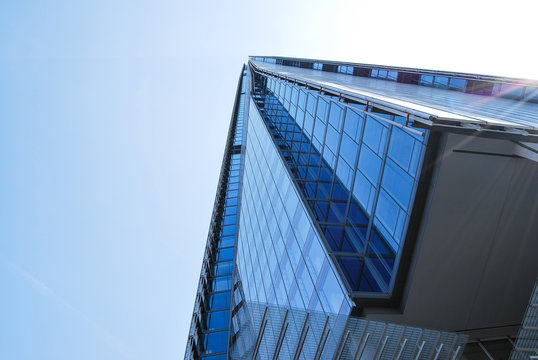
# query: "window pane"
x,y
369,164
375,135
426,79
457,84
225,254
397,183
216,342
220,301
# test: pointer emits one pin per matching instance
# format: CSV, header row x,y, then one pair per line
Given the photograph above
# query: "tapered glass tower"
x,y
370,212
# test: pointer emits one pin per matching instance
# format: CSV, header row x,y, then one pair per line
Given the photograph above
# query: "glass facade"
x,y
356,168
311,215
280,258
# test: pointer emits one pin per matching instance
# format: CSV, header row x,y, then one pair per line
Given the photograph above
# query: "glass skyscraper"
x,y
370,212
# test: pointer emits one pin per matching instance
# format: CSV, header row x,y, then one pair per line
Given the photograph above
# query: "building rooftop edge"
x,y
464,75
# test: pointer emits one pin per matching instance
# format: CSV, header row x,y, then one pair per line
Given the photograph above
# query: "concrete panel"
x,y
477,259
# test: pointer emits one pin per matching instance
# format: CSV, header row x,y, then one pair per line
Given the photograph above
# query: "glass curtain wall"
x,y
357,168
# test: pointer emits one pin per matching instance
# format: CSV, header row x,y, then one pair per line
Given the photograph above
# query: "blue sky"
x,y
113,116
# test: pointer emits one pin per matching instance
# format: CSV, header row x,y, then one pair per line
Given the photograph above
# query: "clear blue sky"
x,y
113,117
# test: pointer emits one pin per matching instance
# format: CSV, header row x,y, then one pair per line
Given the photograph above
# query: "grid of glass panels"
x,y
280,255
209,334
384,74
357,172
280,258
345,69
444,82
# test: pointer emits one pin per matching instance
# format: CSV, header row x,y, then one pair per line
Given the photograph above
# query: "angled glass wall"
x,y
311,211
281,260
357,169
290,299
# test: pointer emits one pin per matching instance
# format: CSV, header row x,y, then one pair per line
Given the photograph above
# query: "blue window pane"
x,y
233,186
364,192
225,254
401,147
228,230
336,239
369,164
357,217
229,220
323,190
218,320
311,104
220,301
300,118
304,282
392,75
325,174
224,268
348,149
227,241
339,193
457,84
330,290
353,123
295,297
281,91
336,116
322,110
357,235
302,99
441,82
352,268
397,183
426,79
294,95
308,123
380,249
387,211
314,255
319,130
222,283
230,210
232,193
344,173
375,135
288,93
332,139
216,342
368,281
